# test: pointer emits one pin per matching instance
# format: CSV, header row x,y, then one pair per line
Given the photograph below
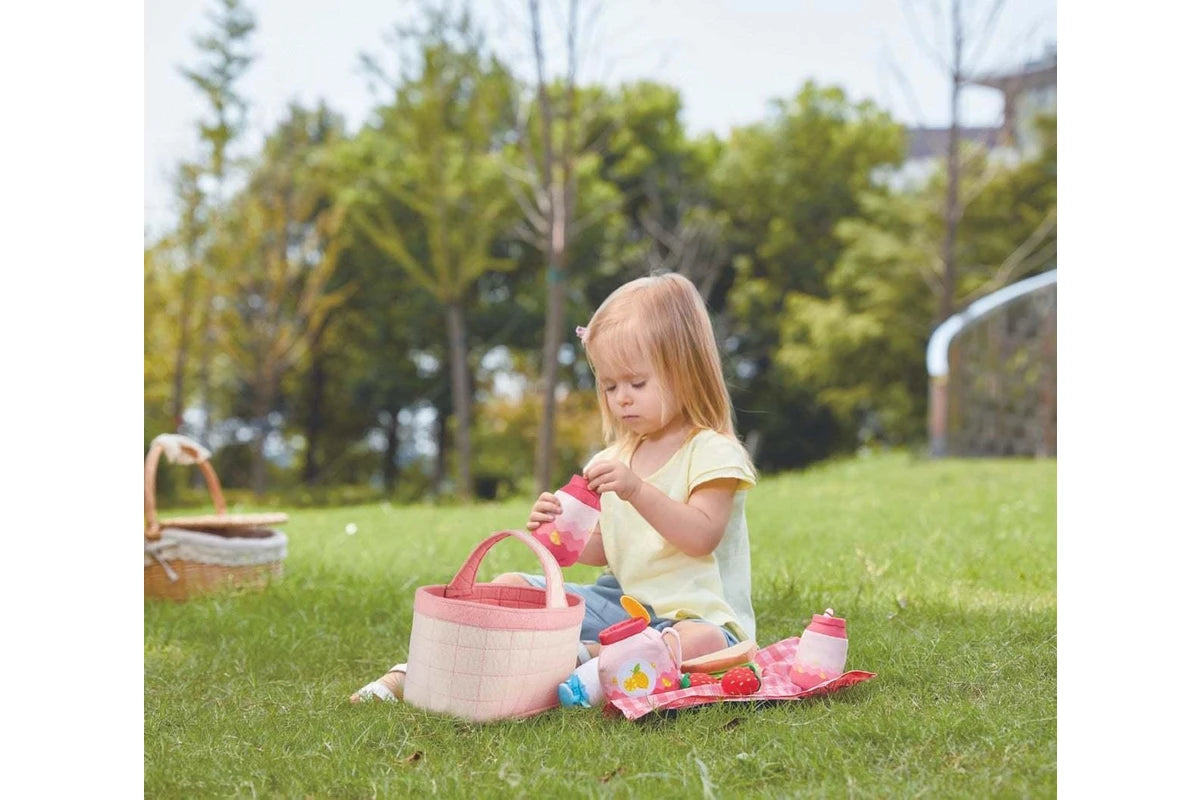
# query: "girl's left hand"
x,y
613,476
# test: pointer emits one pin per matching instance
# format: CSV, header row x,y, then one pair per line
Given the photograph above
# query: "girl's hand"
x,y
613,476
545,509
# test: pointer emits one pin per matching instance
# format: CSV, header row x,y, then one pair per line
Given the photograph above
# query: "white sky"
x,y
728,58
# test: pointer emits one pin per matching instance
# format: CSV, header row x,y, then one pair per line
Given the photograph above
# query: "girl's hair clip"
x,y
582,333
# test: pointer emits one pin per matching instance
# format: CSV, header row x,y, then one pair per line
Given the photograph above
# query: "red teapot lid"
x,y
622,630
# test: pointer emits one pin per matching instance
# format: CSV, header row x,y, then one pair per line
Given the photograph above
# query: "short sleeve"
x,y
715,456
606,453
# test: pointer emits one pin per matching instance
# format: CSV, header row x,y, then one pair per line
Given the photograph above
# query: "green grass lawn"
x,y
945,572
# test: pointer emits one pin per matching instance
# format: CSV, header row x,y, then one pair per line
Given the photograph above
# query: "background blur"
x,y
370,231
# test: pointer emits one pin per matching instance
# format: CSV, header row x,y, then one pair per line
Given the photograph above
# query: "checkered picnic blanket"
x,y
774,661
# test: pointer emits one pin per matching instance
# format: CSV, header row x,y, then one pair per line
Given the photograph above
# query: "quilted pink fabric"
x,y
482,651
774,661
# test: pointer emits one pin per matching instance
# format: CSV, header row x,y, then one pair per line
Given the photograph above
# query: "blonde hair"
x,y
661,320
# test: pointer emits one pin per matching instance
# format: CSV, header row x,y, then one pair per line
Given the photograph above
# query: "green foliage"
x,y
1014,211
662,178
159,298
862,347
785,185
227,54
358,280
505,431
945,572
432,151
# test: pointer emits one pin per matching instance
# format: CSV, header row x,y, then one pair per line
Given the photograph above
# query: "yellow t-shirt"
x,y
715,587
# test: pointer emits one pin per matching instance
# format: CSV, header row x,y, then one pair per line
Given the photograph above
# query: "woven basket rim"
x,y
223,521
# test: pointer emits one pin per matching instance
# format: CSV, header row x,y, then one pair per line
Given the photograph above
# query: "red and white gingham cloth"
x,y
774,661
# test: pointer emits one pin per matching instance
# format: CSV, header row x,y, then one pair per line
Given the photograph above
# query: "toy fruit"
x,y
741,680
697,679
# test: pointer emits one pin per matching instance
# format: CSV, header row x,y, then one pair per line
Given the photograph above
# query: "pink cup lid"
x,y
828,625
577,487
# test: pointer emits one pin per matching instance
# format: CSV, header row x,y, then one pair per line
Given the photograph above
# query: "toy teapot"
x,y
636,660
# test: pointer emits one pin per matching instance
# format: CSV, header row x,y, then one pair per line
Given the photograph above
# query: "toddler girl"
x,y
672,480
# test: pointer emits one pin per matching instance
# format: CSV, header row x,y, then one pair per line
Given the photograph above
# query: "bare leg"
x,y
699,638
510,579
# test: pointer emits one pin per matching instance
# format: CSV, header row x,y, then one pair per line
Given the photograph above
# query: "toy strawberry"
x,y
741,680
697,679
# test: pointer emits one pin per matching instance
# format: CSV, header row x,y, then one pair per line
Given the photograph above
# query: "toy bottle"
x,y
821,655
582,687
566,534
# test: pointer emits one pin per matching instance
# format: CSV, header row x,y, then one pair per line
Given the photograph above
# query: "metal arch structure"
x,y
983,410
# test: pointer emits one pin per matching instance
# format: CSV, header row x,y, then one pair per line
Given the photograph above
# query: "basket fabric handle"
x,y
179,450
463,583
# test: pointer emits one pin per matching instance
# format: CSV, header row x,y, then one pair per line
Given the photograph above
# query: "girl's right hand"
x,y
545,509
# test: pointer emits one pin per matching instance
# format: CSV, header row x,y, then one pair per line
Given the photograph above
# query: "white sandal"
x,y
377,690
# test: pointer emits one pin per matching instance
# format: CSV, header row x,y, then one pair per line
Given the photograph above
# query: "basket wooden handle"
x,y
190,448
463,583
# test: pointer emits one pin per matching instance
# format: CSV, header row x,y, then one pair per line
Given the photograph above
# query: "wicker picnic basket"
x,y
485,651
190,556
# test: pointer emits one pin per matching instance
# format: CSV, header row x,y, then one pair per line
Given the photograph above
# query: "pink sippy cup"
x,y
821,655
566,534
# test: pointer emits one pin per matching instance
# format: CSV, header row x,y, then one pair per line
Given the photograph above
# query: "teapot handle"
x,y
677,652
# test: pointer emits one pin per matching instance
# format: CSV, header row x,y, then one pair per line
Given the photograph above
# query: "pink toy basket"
x,y
481,651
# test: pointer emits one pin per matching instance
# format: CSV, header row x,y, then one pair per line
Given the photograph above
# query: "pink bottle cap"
x,y
577,487
828,625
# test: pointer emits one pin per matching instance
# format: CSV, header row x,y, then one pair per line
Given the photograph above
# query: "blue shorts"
x,y
602,607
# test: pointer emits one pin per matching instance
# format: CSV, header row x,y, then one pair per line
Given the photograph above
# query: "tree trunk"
x,y
185,322
263,399
316,417
551,343
560,189
443,446
946,303
456,332
389,452
203,378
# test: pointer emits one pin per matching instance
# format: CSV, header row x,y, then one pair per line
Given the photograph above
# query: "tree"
x,y
435,151
289,233
551,215
1010,228
160,297
862,348
966,38
226,58
784,185
189,233
663,181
